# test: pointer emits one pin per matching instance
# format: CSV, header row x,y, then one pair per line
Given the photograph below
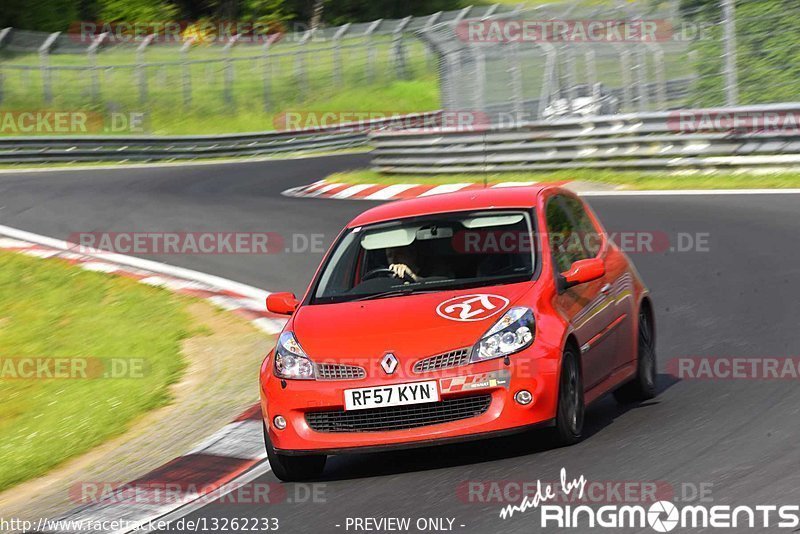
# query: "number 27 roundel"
x,y
472,307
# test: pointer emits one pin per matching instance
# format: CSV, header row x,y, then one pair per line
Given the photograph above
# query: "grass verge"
x,y
624,179
95,322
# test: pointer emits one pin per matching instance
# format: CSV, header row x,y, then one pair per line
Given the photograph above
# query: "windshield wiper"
x,y
393,293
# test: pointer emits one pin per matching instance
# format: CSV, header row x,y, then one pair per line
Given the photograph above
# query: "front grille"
x,y
339,371
443,361
399,417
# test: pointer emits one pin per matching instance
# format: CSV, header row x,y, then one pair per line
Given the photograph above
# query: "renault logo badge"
x,y
389,363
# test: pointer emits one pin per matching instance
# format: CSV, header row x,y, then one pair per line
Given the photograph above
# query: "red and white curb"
x,y
344,191
218,465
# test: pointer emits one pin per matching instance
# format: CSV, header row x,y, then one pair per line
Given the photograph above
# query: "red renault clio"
x,y
455,317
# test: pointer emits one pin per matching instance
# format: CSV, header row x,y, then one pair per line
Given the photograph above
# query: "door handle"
x,y
606,289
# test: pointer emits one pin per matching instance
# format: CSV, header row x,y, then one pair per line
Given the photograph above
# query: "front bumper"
x,y
535,370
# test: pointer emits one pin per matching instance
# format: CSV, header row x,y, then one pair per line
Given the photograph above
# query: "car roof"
x,y
473,199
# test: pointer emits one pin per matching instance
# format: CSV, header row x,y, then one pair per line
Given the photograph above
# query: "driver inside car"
x,y
403,262
406,263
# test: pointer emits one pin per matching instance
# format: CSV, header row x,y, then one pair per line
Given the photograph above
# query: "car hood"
x,y
410,326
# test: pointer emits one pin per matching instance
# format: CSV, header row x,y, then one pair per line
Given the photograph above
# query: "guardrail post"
x,y
371,51
337,54
91,52
44,64
186,75
399,50
141,67
227,90
3,35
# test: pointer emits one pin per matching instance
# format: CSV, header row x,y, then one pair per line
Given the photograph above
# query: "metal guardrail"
x,y
36,149
646,141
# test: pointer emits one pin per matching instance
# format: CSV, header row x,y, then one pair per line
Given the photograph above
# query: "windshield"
x,y
431,253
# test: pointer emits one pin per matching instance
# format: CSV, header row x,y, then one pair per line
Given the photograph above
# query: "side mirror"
x,y
282,303
581,272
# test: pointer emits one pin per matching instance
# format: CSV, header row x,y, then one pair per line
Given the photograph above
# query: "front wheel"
x,y
571,405
293,468
643,385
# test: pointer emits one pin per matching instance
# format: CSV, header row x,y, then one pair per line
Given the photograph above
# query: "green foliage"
x,y
56,15
138,10
42,15
768,51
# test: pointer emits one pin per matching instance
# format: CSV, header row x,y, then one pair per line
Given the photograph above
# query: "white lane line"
x,y
445,188
512,184
390,192
149,265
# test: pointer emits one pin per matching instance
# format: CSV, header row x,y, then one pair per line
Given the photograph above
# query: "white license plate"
x,y
392,395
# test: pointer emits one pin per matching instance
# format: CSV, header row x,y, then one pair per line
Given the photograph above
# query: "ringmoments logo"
x,y
660,516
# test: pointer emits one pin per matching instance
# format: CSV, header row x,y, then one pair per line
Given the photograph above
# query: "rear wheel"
x,y
571,406
293,468
643,385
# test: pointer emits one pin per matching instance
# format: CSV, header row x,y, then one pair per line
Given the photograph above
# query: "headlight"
x,y
512,333
291,361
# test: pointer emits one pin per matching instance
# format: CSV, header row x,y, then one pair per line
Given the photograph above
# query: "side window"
x,y
565,241
590,237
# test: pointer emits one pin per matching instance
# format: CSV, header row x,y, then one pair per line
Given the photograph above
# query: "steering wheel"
x,y
382,272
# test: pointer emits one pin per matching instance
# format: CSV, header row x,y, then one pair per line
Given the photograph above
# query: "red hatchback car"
x,y
455,317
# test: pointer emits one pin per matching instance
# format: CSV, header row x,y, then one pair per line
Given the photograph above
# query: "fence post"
x,y
549,72
571,68
141,68
44,63
515,73
371,50
3,35
591,67
91,52
301,77
641,79
433,19
186,75
491,11
399,49
337,54
267,71
731,76
461,16
625,71
227,89
661,78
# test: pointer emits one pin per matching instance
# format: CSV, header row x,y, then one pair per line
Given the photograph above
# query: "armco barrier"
x,y
648,141
41,149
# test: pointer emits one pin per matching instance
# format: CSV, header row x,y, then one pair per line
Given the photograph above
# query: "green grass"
x,y
53,310
626,179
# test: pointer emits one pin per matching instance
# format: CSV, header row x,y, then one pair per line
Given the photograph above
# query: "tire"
x,y
643,386
293,468
571,404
